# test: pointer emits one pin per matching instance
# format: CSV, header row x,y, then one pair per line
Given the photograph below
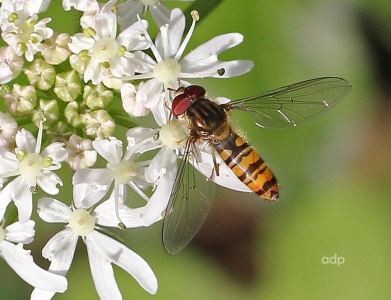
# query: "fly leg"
x,y
215,164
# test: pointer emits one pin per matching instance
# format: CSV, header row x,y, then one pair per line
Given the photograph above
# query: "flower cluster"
x,y
65,99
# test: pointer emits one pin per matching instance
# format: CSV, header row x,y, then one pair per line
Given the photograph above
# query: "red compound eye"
x,y
195,92
180,104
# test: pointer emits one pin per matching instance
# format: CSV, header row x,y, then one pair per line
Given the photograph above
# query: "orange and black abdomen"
x,y
247,165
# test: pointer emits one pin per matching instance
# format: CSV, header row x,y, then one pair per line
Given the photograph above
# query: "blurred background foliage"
x,y
334,171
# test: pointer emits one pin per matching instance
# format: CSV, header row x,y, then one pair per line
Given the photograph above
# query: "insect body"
x,y
207,121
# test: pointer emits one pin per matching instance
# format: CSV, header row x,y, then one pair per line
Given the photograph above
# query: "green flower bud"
x,y
68,85
40,74
99,124
97,96
22,100
73,115
49,110
60,132
56,48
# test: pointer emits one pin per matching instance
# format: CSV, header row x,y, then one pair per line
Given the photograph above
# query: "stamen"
x,y
4,89
39,137
13,17
196,17
148,38
121,225
2,235
34,189
89,32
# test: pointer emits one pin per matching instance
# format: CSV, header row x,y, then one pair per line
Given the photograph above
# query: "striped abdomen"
x,y
248,166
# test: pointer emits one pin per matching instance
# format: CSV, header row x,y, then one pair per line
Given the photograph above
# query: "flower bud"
x,y
81,154
8,129
97,96
49,110
59,132
73,115
21,100
56,48
11,64
68,85
99,124
40,74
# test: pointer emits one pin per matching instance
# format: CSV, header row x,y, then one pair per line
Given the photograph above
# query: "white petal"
x,y
128,11
60,250
147,64
80,193
22,197
216,45
22,263
99,181
93,72
132,37
160,111
128,260
9,164
141,140
160,13
25,141
39,294
203,68
159,200
105,214
48,181
149,92
164,160
20,233
53,211
130,103
55,151
169,38
6,196
101,269
111,150
6,74
80,42
105,21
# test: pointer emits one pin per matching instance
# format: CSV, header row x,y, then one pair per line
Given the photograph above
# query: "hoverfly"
x,y
207,122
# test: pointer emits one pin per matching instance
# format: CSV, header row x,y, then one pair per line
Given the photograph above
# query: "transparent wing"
x,y
189,204
293,104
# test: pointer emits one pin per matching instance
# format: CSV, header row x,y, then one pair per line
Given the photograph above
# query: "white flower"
x,y
169,66
132,101
108,55
8,129
82,5
103,251
122,171
33,168
11,64
162,169
129,10
21,28
21,261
